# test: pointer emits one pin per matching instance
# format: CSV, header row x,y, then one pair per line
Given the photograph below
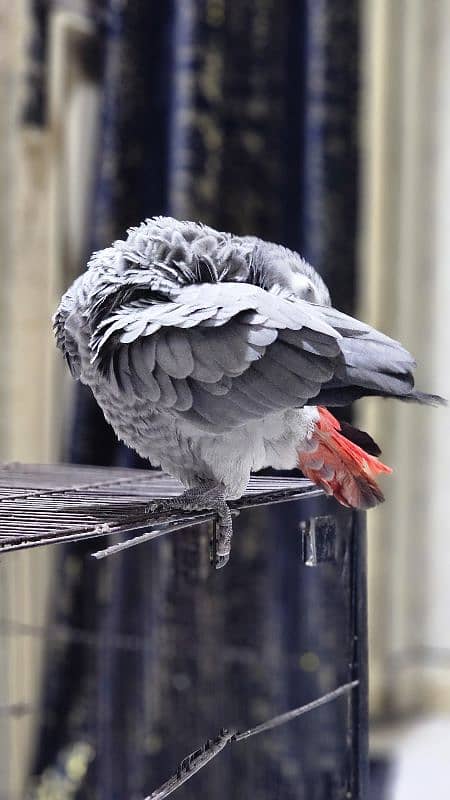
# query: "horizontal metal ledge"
x,y
48,504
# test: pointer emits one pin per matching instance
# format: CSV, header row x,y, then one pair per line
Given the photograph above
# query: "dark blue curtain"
x,y
243,114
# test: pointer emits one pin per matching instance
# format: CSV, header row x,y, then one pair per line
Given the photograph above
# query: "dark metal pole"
x,y
360,714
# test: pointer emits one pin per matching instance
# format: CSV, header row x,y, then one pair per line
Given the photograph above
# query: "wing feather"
x,y
220,354
294,387
168,395
174,354
303,363
206,368
141,358
223,412
219,388
312,342
184,395
148,349
257,334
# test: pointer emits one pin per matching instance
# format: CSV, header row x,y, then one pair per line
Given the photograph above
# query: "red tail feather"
x,y
341,467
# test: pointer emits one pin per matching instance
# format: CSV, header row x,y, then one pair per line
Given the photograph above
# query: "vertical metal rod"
x,y
360,713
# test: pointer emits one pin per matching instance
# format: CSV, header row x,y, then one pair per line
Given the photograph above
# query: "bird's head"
x,y
277,269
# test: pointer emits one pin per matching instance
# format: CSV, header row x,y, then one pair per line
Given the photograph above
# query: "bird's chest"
x,y
229,458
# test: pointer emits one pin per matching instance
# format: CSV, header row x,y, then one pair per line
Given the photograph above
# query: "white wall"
x,y
46,172
405,290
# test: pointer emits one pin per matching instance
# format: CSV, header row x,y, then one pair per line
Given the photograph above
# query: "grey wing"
x,y
221,355
218,355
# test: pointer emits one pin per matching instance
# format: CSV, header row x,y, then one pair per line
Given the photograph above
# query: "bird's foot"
x,y
208,497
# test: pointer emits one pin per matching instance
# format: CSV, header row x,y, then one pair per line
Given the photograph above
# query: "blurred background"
x,y
324,125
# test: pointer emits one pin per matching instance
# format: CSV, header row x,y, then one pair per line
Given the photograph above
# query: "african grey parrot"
x,y
215,355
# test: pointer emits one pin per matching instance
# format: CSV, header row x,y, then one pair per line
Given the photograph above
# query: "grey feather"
x,y
122,371
231,350
142,359
258,334
168,396
174,354
222,413
290,388
206,368
247,398
184,395
301,362
148,352
256,388
219,388
135,329
137,361
316,343
373,352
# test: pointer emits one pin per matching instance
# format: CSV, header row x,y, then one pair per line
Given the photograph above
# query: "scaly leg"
x,y
207,497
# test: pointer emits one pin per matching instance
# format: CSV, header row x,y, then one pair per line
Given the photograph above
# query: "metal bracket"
x,y
318,540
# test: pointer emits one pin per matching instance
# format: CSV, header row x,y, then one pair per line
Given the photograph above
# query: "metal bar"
x,y
146,537
201,757
359,767
281,719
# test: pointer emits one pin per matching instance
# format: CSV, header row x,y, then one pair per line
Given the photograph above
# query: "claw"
x,y
155,505
220,546
221,561
198,500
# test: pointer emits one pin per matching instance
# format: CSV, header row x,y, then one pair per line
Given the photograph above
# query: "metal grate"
x,y
42,504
